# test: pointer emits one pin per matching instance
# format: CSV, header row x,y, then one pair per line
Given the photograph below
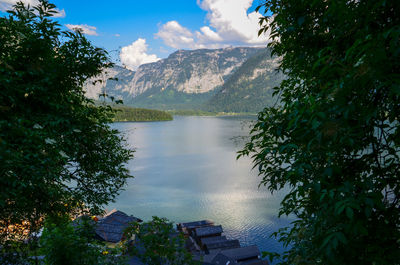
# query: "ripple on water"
x,y
187,170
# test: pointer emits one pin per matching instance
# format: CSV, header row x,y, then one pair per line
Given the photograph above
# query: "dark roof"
x,y
208,231
187,228
111,227
196,224
242,253
212,239
227,244
221,259
254,262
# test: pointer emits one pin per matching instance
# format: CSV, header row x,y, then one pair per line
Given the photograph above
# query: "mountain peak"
x,y
185,79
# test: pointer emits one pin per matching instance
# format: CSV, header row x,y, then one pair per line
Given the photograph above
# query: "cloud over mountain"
x,y
136,54
176,36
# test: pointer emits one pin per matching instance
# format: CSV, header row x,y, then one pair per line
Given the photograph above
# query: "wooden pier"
x,y
206,242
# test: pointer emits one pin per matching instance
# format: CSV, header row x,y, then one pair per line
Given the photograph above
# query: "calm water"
x,y
186,170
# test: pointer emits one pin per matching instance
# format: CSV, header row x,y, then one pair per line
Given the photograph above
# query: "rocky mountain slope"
x,y
119,88
185,72
189,79
250,88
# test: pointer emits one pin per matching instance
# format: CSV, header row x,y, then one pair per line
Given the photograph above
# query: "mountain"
x,y
119,88
250,87
186,79
229,80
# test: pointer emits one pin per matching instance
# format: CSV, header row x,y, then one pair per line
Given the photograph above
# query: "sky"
x,y
135,32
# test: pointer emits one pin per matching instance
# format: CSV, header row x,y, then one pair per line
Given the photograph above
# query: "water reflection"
x,y
187,170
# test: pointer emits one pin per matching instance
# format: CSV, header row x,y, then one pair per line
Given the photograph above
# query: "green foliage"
x,y
170,99
334,141
65,243
125,113
57,151
157,243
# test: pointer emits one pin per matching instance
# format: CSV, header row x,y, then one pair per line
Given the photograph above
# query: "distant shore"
x,y
129,114
132,114
207,113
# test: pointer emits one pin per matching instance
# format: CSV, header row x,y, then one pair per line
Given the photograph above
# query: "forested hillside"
x,y
125,113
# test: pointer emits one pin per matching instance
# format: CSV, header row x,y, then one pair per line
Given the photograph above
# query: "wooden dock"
x,y
206,242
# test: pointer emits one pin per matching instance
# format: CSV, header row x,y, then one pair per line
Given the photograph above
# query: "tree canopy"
x,y
157,243
57,150
334,139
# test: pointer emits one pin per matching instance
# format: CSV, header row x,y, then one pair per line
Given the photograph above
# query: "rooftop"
x,y
226,244
196,224
111,227
242,253
212,239
208,231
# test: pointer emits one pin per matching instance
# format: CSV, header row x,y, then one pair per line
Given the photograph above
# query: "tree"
x,y
57,150
334,138
156,242
65,243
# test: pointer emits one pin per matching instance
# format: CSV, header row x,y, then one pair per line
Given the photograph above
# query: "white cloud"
x,y
230,19
86,29
228,24
176,36
117,35
207,34
136,54
60,13
7,5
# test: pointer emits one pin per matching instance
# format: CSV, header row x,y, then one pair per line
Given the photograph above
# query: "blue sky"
x,y
137,32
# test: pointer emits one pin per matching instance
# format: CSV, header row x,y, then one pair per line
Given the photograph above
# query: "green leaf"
x,y
349,213
300,20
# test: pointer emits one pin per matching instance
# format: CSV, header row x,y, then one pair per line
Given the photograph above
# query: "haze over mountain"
x,y
229,79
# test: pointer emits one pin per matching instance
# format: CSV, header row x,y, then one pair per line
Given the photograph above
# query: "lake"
x,y
186,170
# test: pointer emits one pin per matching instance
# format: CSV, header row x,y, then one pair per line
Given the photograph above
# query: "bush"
x,y
157,243
65,243
57,149
334,141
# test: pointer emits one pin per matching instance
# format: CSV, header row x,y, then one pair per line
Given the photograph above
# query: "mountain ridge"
x,y
250,88
186,79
